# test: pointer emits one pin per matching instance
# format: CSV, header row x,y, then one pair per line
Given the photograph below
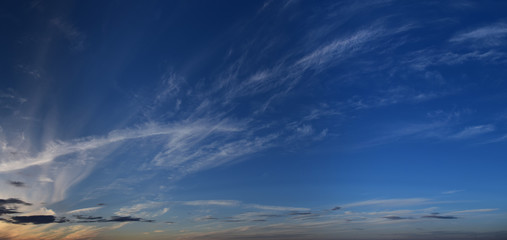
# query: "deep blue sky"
x,y
253,119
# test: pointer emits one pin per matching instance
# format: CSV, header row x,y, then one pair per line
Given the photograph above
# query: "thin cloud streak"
x,y
484,33
474,211
277,208
84,210
473,131
224,203
390,202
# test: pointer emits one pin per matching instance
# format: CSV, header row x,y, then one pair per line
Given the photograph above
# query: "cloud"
x,y
11,205
488,34
190,146
205,218
70,32
495,140
82,210
440,217
4,210
277,208
127,219
17,183
475,210
452,191
40,211
337,49
13,201
59,148
94,219
299,213
148,209
390,202
225,203
473,131
35,219
52,231
395,217
85,217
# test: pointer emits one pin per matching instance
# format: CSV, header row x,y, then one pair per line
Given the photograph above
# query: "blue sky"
x,y
257,119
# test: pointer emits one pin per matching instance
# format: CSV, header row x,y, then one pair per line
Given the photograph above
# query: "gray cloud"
x,y
17,183
35,219
395,217
440,217
13,201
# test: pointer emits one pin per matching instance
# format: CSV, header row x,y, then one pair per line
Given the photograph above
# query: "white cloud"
x,y
337,49
84,210
473,131
225,203
146,210
475,211
487,33
277,208
452,191
390,202
495,140
54,178
40,211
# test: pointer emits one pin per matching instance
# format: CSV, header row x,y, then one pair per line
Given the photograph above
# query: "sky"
x,y
253,119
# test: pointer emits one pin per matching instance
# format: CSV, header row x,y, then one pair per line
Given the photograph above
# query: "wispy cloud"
x,y
70,32
392,96
84,210
473,131
225,203
495,140
181,138
17,183
395,217
146,210
337,49
390,202
439,217
51,231
474,211
277,208
452,191
489,34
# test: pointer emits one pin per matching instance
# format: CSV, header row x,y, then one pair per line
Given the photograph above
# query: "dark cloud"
x,y
11,209
4,210
17,183
85,217
90,219
440,217
124,219
62,220
394,217
336,208
299,213
13,201
35,219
